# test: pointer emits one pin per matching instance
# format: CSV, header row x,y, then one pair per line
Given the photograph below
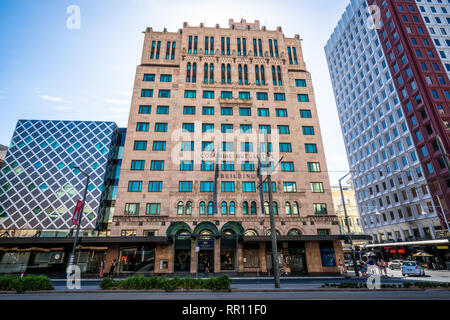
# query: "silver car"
x,y
395,264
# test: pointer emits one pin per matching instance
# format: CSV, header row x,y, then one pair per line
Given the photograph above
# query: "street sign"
x,y
197,249
76,213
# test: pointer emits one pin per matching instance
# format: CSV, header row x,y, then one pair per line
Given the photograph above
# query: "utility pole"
x,y
273,233
348,226
72,256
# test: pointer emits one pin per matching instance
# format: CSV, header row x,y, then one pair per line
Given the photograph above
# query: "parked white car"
x,y
395,264
412,268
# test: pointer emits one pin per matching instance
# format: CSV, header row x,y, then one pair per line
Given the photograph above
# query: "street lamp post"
x,y
72,256
348,226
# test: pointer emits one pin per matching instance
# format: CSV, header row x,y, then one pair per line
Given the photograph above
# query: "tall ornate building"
x,y
203,98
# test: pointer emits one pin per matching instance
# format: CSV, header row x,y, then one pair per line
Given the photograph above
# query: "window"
x,y
128,233
226,128
145,109
283,129
305,114
131,208
147,93
137,164
246,128
208,94
264,128
207,166
289,187
308,130
310,148
226,94
157,165
140,145
263,112
134,186
185,186
279,97
266,187
226,111
246,146
206,186
285,147
313,167
188,127
155,186
227,146
248,166
164,94
142,126
287,166
187,146
245,112
162,110
187,165
208,111
317,187
227,186
149,77
153,208
261,96
159,145
244,95
190,93
160,127
281,112
189,110
227,166
320,208
300,83
303,98
165,78
248,187
207,127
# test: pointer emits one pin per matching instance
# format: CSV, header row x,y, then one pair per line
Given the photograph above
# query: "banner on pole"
x,y
76,213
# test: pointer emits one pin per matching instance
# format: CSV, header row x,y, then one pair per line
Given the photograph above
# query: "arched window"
x,y
210,207
188,73
257,75
275,208
194,72
228,73
188,208
294,232
245,207
280,82
274,76
245,74
232,207
263,76
223,73
266,207
287,207
253,207
211,73
295,208
224,207
180,207
202,208
269,232
251,233
240,73
205,80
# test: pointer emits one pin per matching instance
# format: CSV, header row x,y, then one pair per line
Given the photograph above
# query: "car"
x,y
412,268
395,264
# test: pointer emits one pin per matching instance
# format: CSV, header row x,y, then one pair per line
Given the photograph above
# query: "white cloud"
x,y
118,110
114,101
61,108
54,99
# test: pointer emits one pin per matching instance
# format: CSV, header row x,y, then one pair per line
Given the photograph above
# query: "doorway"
x,y
206,261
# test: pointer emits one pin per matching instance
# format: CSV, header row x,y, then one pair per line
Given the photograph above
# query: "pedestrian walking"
x,y
341,268
111,269
383,267
102,268
363,269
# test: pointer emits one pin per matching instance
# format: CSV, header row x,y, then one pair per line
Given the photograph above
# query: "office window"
x,y
320,208
226,111
142,126
262,96
188,127
160,127
226,128
208,127
263,112
187,165
285,147
248,187
300,82
248,166
246,128
140,145
185,186
132,208
305,114
246,146
134,186
264,128
207,146
303,98
137,165
155,186
226,95
157,165
147,93
208,111
245,112
266,187
281,113
162,110
279,97
310,148
206,186
308,130
283,129
313,167
159,145
145,109
189,110
165,78
289,187
227,146
149,77
316,187
227,166
190,93
187,146
227,186
208,94
244,95
287,166
164,94
153,208
207,166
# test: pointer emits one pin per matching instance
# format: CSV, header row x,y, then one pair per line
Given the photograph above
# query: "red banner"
x,y
401,251
76,213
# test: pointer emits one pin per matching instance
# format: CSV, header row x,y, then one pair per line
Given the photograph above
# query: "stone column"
x,y
194,256
240,257
313,258
402,232
262,257
164,252
217,255
433,233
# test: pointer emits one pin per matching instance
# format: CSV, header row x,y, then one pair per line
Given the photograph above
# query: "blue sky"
x,y
48,71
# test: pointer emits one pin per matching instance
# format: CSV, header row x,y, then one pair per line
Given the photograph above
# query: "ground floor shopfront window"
x,y
228,253
137,259
182,257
